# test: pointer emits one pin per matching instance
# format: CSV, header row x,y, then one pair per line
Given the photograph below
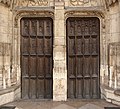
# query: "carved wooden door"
x,y
36,57
83,57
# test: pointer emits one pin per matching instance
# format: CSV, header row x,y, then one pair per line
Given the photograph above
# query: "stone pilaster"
x,y
59,51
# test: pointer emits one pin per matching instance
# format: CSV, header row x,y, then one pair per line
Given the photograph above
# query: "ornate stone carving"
x,y
110,2
24,3
30,2
83,2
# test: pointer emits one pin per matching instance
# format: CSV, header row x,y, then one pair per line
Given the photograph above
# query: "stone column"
x,y
59,51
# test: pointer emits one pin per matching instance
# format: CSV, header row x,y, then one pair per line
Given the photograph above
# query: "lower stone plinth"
x,y
9,95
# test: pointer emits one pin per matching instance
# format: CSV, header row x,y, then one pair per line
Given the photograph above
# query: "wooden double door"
x,y
83,50
37,57
83,45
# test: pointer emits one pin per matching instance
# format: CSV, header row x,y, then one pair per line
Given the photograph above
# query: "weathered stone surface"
x,y
90,106
64,106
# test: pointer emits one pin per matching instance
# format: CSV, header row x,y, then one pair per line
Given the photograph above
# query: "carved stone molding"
x,y
21,14
84,14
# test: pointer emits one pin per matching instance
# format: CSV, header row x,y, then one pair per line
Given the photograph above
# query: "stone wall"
x,y
5,46
59,10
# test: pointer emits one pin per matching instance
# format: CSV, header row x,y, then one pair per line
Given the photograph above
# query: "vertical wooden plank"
x,y
40,68
32,65
71,45
25,27
79,88
71,68
40,29
25,45
48,45
32,89
48,86
25,62
87,88
40,46
25,88
40,87
71,93
33,46
79,45
33,27
48,71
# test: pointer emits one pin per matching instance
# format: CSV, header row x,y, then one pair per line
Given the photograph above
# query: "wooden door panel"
x,y
32,46
86,45
72,45
33,27
48,68
40,68
25,67
48,88
25,86
40,88
48,45
71,85
79,67
79,88
83,57
36,57
79,45
94,87
32,88
25,27
71,69
47,31
32,66
40,28
25,46
40,46
87,88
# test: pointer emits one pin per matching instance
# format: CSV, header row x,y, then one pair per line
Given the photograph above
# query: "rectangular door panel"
x,y
25,88
40,88
32,90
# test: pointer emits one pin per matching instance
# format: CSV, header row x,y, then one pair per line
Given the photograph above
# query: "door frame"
x,y
50,13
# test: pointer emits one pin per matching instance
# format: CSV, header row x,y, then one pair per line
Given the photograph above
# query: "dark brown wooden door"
x,y
83,57
36,57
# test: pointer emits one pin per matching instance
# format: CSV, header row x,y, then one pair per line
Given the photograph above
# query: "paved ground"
x,y
71,104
